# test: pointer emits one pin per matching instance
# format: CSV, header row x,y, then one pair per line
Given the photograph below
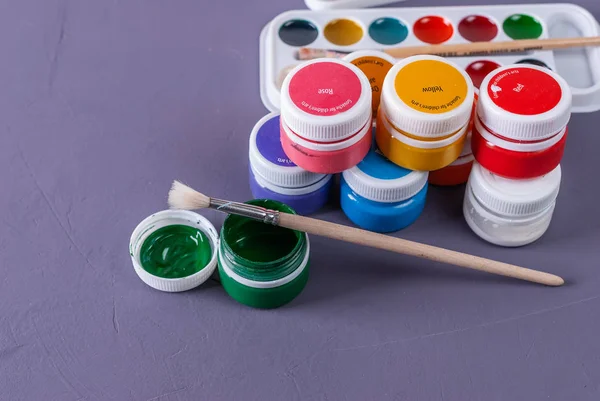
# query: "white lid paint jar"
x,y
425,109
510,212
326,115
272,175
520,129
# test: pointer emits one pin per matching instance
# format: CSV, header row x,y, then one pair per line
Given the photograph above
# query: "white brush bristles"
x,y
183,197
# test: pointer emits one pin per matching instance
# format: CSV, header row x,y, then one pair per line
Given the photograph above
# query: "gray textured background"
x,y
103,103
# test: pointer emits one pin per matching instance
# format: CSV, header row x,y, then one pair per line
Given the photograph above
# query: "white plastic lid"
x,y
427,96
268,159
347,4
511,197
524,102
327,146
326,100
166,218
422,144
378,179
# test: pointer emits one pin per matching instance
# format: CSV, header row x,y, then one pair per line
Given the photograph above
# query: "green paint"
x,y
522,26
262,243
262,253
175,251
259,251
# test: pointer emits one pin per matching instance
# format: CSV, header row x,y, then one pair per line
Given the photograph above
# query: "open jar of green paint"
x,y
261,265
174,250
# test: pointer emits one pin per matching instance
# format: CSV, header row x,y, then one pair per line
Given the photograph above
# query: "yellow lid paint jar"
x,y
426,104
415,154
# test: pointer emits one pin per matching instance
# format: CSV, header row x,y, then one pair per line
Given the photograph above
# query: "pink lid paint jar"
x,y
326,116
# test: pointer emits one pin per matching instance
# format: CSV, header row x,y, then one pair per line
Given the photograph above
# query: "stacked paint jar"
x,y
458,172
273,175
509,212
424,114
375,65
521,124
380,196
518,141
326,116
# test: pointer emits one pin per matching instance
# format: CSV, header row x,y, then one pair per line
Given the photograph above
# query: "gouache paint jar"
x,y
273,175
375,65
326,115
380,196
262,265
458,172
509,212
521,125
424,113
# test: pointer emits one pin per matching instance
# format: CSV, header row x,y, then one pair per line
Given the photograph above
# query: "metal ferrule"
x,y
241,209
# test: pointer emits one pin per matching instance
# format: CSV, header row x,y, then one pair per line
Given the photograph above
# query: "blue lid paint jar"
x,y
274,176
380,196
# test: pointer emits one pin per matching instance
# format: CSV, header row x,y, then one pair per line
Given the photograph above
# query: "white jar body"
x,y
506,231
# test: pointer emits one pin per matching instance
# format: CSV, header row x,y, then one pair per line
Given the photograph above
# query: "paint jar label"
x,y
431,86
524,91
269,144
375,68
325,89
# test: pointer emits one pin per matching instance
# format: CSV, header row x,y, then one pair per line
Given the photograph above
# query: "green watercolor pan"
x,y
332,27
259,265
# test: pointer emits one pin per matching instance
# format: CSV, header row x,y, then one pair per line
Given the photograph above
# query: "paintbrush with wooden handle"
x,y
183,197
479,49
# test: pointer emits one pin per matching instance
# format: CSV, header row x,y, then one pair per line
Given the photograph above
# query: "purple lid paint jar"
x,y
274,176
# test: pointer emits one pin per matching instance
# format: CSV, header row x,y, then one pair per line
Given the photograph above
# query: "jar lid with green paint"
x,y
174,250
261,265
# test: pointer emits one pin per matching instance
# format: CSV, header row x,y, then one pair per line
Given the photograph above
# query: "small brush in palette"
x,y
344,31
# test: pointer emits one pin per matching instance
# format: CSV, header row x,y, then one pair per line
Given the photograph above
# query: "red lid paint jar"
x,y
520,128
326,115
458,172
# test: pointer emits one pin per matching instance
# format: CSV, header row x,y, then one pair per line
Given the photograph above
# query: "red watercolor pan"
x,y
479,69
433,29
478,28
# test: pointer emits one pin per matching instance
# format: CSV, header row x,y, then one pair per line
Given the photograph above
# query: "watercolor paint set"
x,y
283,40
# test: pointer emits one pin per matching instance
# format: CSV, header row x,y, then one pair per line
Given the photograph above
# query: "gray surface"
x,y
104,103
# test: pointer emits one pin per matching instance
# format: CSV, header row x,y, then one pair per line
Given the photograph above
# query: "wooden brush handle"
x,y
402,246
492,48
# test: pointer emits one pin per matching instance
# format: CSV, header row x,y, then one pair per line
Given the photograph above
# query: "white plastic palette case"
x,y
579,66
339,4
